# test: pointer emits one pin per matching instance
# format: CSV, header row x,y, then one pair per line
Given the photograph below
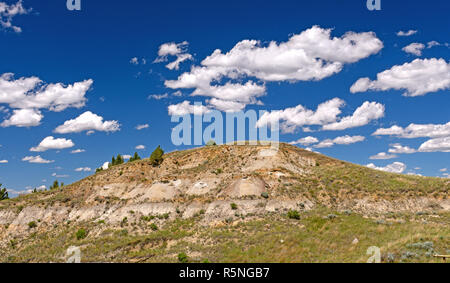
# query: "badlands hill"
x,y
232,203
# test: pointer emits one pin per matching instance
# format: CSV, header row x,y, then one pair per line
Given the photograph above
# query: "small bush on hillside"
x,y
153,227
211,143
265,195
81,234
293,214
234,206
32,225
156,158
183,258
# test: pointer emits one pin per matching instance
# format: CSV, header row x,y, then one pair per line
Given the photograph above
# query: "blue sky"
x,y
94,48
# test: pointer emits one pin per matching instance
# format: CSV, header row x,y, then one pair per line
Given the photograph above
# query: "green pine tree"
x,y
3,193
55,185
113,161
156,158
135,157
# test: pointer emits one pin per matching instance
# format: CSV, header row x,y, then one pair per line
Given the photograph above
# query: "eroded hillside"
x,y
207,189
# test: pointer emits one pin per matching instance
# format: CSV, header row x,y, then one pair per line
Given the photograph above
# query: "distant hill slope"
x,y
197,195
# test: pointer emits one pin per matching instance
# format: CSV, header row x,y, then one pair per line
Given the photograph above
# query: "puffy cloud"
x,y
344,140
32,93
326,115
170,48
414,48
28,95
418,77
396,167
8,12
416,131
348,139
443,170
87,121
399,149
83,169
23,118
105,165
140,147
300,116
306,141
406,33
77,151
158,96
173,49
175,65
37,159
60,176
383,156
226,105
362,116
310,55
3,161
141,127
126,156
432,44
325,143
52,143
436,145
185,108
136,61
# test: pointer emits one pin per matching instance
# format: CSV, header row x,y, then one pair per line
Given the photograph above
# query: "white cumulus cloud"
x,y
344,140
8,12
23,118
28,95
306,141
87,121
416,131
143,126
310,55
173,49
399,149
436,145
37,159
326,115
185,108
83,169
363,115
396,167
406,33
414,48
383,156
418,77
52,143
